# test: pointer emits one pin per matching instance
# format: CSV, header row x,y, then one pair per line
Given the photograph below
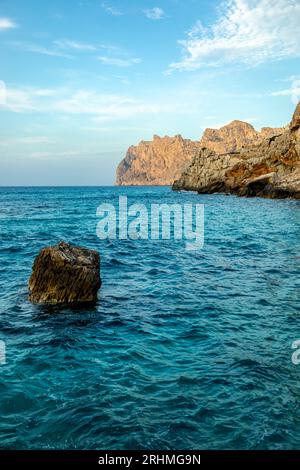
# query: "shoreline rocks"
x,y
65,274
269,168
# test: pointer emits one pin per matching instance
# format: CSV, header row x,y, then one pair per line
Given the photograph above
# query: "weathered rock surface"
x,y
269,168
156,162
234,136
65,274
160,161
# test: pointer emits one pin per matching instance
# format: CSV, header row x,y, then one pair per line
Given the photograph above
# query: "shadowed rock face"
x,y
65,274
270,168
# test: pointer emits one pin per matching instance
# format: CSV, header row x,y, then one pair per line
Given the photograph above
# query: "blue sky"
x,y
81,80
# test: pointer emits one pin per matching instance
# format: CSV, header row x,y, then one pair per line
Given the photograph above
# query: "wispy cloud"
x,y
75,45
112,130
55,155
3,93
100,107
103,107
70,49
58,16
79,46
111,10
119,62
248,31
155,13
17,101
122,79
293,90
36,139
38,49
27,140
28,99
6,24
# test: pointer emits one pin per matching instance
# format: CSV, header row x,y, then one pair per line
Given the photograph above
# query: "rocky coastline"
x,y
161,161
268,168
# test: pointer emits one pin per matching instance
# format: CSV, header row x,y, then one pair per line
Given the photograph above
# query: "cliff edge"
x,y
267,168
161,160
156,162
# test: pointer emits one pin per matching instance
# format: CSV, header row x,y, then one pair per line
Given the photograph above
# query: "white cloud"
x,y
112,130
70,49
29,99
6,23
34,140
3,93
88,102
75,45
248,31
44,92
100,107
103,107
287,91
111,10
119,62
291,78
37,49
124,110
293,91
121,79
28,140
18,101
155,13
47,155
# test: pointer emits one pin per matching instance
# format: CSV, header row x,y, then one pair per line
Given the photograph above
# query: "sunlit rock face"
x,y
269,168
156,162
234,136
161,160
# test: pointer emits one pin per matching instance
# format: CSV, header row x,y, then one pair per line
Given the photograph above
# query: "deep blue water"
x,y
183,349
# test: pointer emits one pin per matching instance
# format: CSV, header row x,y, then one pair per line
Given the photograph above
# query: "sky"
x,y
82,80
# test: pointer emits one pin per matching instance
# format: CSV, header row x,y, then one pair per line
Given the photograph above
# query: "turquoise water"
x,y
183,349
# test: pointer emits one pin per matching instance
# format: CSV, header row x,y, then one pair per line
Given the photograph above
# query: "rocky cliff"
x,y
156,162
235,135
160,161
270,167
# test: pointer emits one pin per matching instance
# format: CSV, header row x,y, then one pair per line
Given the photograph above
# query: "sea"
x,y
183,349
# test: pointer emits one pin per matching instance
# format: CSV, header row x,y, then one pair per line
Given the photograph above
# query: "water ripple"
x,y
182,350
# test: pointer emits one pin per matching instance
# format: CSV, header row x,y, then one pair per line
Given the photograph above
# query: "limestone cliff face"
x,y
160,161
269,168
234,136
156,162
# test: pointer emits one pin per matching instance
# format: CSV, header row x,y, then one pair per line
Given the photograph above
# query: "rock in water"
x,y
65,274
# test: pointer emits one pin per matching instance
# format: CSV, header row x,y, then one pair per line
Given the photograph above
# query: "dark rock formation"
x,y
65,274
270,168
